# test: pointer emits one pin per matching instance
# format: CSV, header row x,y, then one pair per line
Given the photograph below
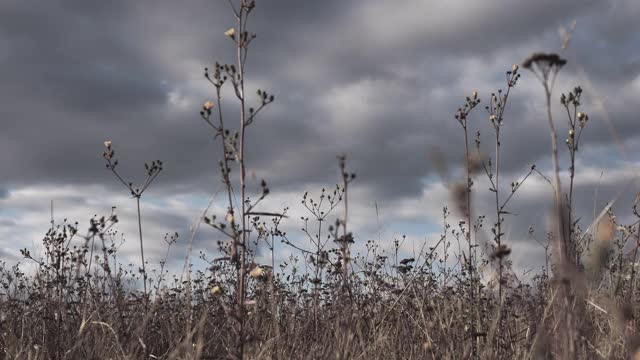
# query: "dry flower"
x,y
624,230
230,33
208,105
257,272
107,144
544,61
427,346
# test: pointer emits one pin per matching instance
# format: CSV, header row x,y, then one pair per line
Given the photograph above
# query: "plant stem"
x,y
561,243
242,271
144,271
474,343
498,210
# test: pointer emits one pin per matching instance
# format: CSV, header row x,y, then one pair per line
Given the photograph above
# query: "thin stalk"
x,y
471,260
632,280
316,285
242,271
345,269
144,271
274,299
562,246
498,210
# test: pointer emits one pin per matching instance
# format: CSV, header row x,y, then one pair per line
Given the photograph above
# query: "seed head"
x,y
107,144
208,105
230,33
544,61
257,272
427,345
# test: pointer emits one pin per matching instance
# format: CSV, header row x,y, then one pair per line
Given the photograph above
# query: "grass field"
x,y
457,297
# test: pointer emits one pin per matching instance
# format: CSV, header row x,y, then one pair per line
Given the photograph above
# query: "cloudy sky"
x,y
377,80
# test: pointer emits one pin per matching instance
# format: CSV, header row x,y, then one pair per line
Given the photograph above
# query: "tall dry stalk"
x,y
577,121
152,171
496,108
463,200
233,150
546,68
567,305
346,239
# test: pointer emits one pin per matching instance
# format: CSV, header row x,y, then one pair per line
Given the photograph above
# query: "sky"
x,y
377,80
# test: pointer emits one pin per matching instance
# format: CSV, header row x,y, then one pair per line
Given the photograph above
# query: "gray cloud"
x,y
366,78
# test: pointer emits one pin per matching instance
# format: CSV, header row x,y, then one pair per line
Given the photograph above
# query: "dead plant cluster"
x,y
329,301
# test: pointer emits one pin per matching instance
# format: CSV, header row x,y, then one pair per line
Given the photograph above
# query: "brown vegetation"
x,y
372,305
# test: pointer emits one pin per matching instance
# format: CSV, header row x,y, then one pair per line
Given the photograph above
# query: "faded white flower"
x,y
257,272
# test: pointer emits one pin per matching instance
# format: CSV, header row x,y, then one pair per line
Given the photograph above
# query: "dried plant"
x,y
462,195
233,150
577,121
546,67
152,172
333,297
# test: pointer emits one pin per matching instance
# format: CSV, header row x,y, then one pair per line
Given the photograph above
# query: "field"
x,y
458,295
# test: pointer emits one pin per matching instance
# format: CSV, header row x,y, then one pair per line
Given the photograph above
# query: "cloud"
x,y
376,80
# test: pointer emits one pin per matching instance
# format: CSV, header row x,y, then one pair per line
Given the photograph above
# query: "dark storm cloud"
x,y
374,79
97,72
75,57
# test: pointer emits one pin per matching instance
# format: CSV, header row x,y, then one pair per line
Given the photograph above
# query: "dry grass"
x,y
374,305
